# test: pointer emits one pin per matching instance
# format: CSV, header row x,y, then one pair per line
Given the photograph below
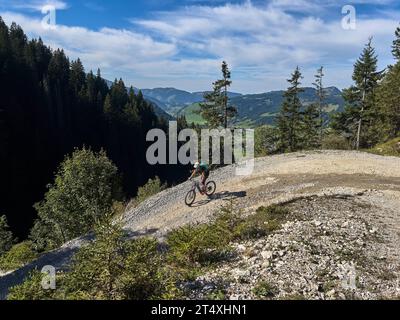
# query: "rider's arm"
x,y
193,174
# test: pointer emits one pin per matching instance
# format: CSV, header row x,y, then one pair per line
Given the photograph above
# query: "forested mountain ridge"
x,y
259,109
172,100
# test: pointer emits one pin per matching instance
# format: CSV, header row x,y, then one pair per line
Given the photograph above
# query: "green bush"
x,y
265,221
18,256
205,244
85,187
198,244
31,289
264,290
389,148
152,187
6,237
266,140
334,141
111,268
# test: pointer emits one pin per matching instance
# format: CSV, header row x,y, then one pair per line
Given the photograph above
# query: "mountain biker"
x,y
203,169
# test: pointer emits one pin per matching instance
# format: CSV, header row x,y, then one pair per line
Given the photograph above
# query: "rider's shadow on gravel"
x,y
224,195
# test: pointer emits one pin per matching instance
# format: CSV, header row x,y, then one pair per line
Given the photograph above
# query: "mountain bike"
x,y
211,186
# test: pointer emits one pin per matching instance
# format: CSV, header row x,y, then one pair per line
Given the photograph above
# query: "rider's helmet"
x,y
196,165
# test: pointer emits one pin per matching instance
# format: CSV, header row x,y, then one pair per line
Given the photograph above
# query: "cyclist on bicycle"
x,y
203,169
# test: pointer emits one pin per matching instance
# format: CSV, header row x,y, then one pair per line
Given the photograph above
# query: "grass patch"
x,y
18,256
389,148
265,290
265,221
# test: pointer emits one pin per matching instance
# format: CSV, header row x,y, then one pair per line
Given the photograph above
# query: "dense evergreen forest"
x,y
49,106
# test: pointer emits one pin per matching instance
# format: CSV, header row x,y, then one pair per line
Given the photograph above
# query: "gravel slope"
x,y
276,179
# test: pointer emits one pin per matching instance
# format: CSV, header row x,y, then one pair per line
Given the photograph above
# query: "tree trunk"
x,y
360,122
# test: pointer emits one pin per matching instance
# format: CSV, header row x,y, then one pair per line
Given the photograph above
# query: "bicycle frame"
x,y
196,185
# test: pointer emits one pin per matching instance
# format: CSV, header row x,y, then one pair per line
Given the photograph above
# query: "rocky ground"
x,y
339,247
345,213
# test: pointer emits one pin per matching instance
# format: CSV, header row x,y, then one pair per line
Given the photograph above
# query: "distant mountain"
x,y
253,109
173,100
259,109
158,106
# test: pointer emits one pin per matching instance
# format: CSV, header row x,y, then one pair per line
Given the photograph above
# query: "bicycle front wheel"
x,y
210,188
190,197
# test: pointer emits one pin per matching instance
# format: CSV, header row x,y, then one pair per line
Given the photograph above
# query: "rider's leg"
x,y
203,182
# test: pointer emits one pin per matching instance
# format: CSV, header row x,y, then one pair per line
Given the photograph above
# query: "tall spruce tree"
x,y
6,237
289,120
396,45
320,91
216,109
311,135
359,118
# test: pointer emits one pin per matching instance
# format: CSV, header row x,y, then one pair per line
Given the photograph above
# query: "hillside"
x,y
253,109
258,109
343,214
172,100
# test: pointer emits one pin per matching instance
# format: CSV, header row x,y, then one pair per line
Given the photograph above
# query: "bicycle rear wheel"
x,y
210,188
190,197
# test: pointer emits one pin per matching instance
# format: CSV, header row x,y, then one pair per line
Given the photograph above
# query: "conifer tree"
x,y
289,120
320,90
311,127
396,45
361,112
216,109
6,237
388,100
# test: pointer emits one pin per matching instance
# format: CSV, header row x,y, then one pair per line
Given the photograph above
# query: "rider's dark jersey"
x,y
203,167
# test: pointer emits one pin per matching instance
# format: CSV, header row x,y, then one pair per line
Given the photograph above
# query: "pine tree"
x,y
396,45
77,77
311,126
289,120
388,100
361,112
6,237
216,109
320,90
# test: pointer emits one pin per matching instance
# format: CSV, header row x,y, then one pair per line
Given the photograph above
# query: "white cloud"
x,y
272,41
262,44
111,49
35,5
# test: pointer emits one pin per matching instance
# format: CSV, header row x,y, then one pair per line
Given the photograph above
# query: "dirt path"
x,y
276,179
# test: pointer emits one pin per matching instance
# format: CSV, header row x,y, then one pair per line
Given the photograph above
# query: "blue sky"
x,y
169,43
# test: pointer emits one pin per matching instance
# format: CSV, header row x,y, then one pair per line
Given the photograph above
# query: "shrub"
x,y
389,148
264,290
266,140
202,244
6,237
113,268
85,187
334,141
152,187
31,289
261,224
18,256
